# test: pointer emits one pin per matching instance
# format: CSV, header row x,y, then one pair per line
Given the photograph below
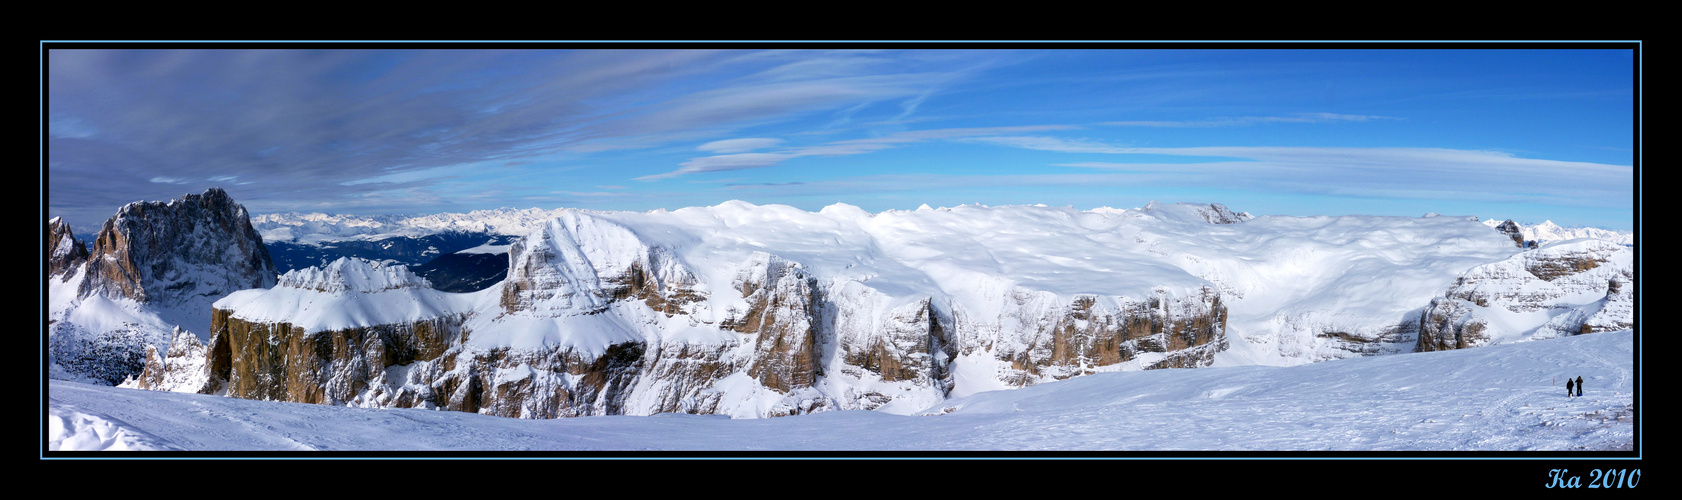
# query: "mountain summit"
x,y
169,253
154,266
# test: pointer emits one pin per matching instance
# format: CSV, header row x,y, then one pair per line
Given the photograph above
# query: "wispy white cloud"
x,y
1245,121
849,147
723,162
168,180
592,194
228,179
742,145
1057,144
1401,172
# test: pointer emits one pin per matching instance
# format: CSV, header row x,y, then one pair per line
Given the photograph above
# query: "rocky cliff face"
x,y
597,318
64,252
1450,324
201,245
1569,288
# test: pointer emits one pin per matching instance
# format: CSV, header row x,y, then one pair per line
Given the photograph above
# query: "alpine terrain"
x,y
757,311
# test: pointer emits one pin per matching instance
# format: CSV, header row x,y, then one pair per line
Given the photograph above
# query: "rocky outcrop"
x,y
1617,309
201,245
181,369
1450,324
1091,334
64,252
779,319
1512,230
1569,288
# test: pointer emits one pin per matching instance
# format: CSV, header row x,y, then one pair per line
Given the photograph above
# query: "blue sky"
x,y
1529,133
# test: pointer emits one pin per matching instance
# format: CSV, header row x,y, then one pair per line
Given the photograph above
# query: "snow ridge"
x,y
348,274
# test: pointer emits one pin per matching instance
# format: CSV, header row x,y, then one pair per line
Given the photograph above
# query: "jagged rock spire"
x,y
64,251
198,245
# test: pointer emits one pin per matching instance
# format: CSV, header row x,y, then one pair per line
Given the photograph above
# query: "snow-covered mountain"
x,y
754,311
1548,233
153,267
736,309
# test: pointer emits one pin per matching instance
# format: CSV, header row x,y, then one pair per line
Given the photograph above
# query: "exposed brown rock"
x,y
281,362
1447,324
1512,230
1550,269
1189,331
64,251
639,284
151,251
911,346
780,318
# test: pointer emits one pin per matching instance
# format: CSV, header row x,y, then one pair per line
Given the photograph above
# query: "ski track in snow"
x,y
1502,397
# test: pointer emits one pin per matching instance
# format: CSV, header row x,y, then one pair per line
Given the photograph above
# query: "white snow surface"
x,y
1498,398
973,253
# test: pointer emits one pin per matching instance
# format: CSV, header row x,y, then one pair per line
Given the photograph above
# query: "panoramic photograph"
x,y
737,250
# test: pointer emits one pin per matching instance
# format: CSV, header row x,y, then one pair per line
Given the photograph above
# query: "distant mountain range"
x,y
1548,233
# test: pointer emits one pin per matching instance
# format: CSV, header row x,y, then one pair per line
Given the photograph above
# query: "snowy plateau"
x,y
1166,327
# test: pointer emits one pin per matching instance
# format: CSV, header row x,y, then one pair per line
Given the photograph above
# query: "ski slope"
x,y
1507,397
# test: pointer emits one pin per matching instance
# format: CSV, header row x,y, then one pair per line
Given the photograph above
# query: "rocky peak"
x,y
1218,214
1213,213
64,251
1512,230
201,245
352,274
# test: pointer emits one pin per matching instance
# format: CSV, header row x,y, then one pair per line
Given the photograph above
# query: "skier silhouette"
x,y
1579,386
1568,388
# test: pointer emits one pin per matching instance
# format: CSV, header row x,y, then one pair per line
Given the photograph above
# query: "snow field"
x,y
1496,398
